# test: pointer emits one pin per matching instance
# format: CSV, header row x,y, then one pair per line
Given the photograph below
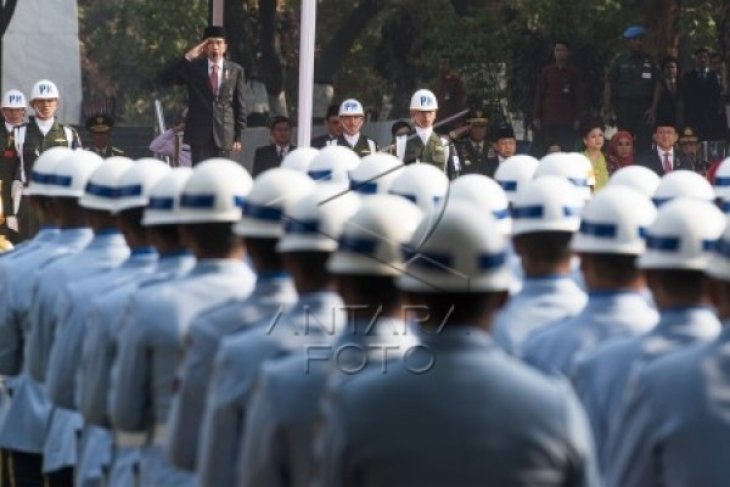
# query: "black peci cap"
x,y
216,31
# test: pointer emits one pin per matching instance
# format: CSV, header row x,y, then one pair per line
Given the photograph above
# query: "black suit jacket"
x,y
219,117
654,162
266,157
476,162
321,141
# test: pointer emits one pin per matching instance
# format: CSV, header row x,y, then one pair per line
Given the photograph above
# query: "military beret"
x,y
634,31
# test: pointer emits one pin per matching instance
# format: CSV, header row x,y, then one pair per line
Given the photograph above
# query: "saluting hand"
x,y
196,51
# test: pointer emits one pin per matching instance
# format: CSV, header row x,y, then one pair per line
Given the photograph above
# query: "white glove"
x,y
12,223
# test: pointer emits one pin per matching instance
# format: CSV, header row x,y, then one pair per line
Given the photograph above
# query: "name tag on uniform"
x,y
646,75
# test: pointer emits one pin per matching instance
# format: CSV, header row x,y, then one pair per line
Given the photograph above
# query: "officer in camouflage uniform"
x,y
13,107
352,118
40,133
426,145
100,127
632,90
475,152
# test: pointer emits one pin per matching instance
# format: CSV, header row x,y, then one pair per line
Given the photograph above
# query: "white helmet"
x,y
137,182
299,159
722,183
641,178
73,172
679,238
486,196
514,172
215,193
546,204
333,164
375,174
103,185
44,90
615,221
164,205
14,99
315,221
424,101
422,184
42,178
372,241
351,107
577,170
272,193
719,265
683,182
463,255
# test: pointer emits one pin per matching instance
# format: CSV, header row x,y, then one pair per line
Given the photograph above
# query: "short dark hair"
x,y
618,268
375,290
588,125
214,238
279,119
168,233
667,60
263,252
562,42
452,309
332,111
132,219
702,50
548,247
685,283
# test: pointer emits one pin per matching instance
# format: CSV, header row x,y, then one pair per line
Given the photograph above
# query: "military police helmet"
x,y
299,159
333,165
683,183
722,183
373,238
487,196
42,177
351,107
103,185
164,199
640,178
463,254
14,99
137,182
576,170
375,174
273,191
421,184
514,172
424,101
44,90
680,239
72,173
215,193
546,204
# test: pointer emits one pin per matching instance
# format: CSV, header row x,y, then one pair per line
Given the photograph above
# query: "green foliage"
x,y
127,42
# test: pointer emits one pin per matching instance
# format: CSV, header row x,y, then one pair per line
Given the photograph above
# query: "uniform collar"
x,y
690,320
383,329
547,283
461,336
74,235
210,266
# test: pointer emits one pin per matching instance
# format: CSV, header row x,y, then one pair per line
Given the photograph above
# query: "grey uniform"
x,y
272,295
64,363
608,314
601,379
152,342
476,417
100,350
25,425
313,320
540,301
676,427
105,252
277,449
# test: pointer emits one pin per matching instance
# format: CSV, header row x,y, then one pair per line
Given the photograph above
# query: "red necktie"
x,y
667,163
214,79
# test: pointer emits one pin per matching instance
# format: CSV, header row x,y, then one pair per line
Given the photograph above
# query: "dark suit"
x,y
267,157
654,162
322,141
702,97
214,121
476,162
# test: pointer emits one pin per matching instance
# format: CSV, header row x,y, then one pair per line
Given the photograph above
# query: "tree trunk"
x,y
662,22
7,9
337,49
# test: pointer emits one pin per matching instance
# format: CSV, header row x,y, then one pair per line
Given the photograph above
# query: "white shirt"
x,y
282,150
351,139
45,125
424,133
9,127
220,71
661,156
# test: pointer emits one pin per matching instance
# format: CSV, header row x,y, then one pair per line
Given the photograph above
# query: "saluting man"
x,y
216,110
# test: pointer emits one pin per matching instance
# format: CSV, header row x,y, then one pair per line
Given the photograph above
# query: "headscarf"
x,y
615,162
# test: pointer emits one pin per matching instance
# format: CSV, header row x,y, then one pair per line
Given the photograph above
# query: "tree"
x,y
7,9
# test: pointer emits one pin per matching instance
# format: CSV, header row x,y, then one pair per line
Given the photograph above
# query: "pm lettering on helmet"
x,y
350,106
426,101
15,99
45,89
